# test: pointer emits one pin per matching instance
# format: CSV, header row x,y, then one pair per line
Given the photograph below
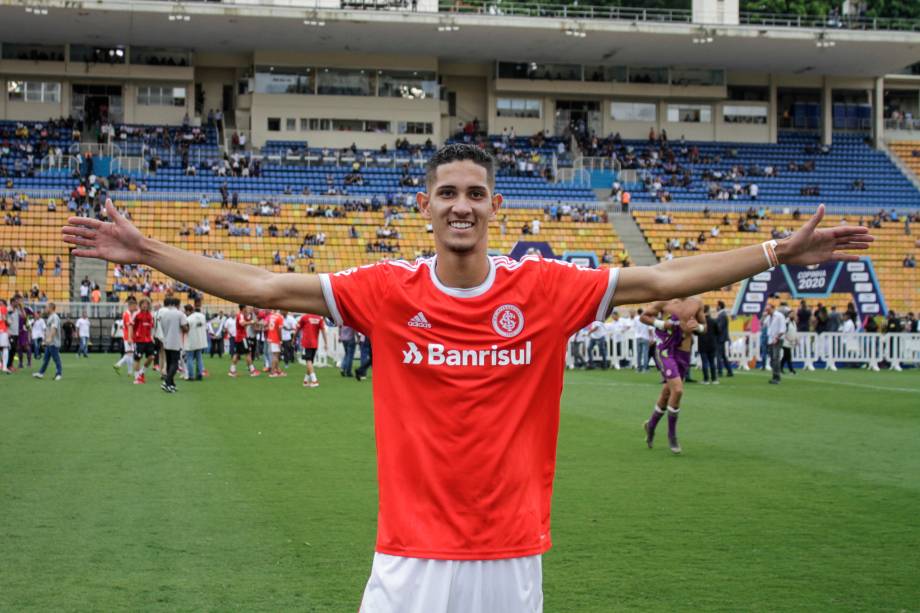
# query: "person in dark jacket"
x,y
803,317
708,343
723,339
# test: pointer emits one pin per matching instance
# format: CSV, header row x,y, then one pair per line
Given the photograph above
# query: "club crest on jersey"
x,y
508,320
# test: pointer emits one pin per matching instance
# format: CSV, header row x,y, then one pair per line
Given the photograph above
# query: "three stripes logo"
x,y
419,321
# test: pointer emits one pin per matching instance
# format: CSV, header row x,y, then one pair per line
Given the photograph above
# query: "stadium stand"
x,y
909,152
797,169
901,285
37,237
325,243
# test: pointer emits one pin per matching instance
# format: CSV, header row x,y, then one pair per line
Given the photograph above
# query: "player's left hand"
x,y
811,245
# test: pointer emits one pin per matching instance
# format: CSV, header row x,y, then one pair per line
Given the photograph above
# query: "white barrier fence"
x,y
744,350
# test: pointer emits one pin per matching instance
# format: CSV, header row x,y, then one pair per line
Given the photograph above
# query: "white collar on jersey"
x,y
462,292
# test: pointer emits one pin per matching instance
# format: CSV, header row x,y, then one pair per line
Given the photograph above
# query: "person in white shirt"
x,y
790,340
849,340
776,330
171,322
535,226
597,332
83,334
196,341
287,338
643,334
230,330
38,335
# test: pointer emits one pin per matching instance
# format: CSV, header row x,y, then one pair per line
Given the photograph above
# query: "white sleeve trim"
x,y
604,306
329,296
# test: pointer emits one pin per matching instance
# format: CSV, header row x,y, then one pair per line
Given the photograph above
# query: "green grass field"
x,y
259,495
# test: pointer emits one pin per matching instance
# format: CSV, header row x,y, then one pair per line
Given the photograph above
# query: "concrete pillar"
x,y
773,117
878,114
827,112
715,12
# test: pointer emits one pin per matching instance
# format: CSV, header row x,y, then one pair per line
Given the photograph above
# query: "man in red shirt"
x,y
273,325
127,328
244,340
471,356
310,327
142,336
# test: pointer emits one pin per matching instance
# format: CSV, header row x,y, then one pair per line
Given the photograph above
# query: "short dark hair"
x,y
458,152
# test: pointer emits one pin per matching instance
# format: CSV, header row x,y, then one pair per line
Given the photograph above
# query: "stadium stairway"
x,y
90,268
901,155
630,234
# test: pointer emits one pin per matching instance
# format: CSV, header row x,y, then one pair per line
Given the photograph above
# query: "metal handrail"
x,y
249,198
638,14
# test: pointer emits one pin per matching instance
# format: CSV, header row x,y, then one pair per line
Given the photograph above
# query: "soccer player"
x,y
142,337
675,323
244,340
273,331
471,354
311,326
127,326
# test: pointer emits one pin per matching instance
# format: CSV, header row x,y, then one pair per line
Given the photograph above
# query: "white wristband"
x,y
659,324
701,328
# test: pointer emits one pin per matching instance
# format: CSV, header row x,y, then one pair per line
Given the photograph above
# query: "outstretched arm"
x,y
121,242
694,275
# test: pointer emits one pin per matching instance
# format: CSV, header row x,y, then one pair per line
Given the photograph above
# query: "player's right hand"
x,y
116,240
689,326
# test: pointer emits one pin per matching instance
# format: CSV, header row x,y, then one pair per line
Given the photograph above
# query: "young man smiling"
x,y
466,393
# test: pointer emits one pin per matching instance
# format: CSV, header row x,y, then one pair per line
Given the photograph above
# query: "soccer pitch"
x,y
259,495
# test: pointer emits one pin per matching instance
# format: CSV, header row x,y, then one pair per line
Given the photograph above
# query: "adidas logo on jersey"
x,y
439,355
419,321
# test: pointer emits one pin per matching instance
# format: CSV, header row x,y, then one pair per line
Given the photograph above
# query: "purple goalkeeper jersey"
x,y
670,339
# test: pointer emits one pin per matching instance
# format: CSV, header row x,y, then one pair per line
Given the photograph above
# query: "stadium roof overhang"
x,y
480,38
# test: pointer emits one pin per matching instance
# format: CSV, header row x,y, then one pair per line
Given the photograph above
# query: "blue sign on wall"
x,y
811,282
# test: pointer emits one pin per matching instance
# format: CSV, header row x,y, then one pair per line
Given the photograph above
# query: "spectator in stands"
x,y
909,261
714,232
859,185
40,265
58,264
753,190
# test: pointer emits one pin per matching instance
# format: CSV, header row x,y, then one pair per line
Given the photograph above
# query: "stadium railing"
x,y
255,198
812,350
635,14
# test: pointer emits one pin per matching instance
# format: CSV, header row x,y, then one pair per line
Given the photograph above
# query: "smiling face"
x,y
460,204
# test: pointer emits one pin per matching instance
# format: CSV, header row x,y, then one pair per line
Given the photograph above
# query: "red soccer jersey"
x,y
273,331
143,327
310,325
242,331
127,325
3,325
467,385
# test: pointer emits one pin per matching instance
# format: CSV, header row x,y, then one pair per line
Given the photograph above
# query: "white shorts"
x,y
275,347
129,347
4,340
417,585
